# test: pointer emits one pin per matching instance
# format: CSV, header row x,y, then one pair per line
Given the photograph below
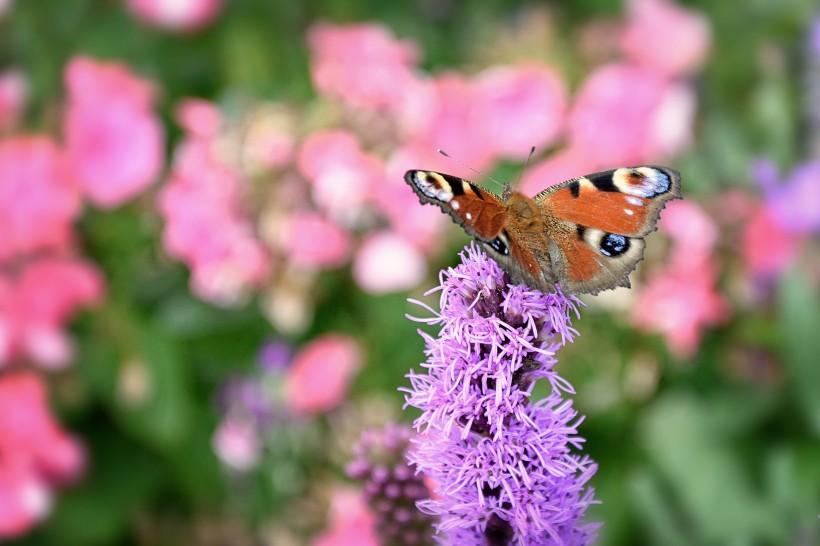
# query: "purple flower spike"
x,y
507,469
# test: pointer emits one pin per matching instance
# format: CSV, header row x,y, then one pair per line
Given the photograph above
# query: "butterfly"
x,y
584,235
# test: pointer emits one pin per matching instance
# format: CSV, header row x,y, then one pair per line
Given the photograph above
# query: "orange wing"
x,y
623,201
479,212
598,223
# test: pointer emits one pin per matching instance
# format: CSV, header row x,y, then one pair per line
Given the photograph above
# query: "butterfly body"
x,y
584,235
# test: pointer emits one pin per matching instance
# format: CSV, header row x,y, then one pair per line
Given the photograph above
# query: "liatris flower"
x,y
391,488
507,470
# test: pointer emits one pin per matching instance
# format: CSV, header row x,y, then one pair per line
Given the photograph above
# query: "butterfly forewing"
x,y
624,201
478,211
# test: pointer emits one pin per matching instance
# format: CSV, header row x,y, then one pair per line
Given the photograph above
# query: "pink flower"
x,y
520,107
200,118
626,115
562,165
446,113
269,142
362,64
114,140
311,241
681,299
236,442
387,262
13,96
421,226
206,225
692,230
666,37
176,15
34,453
342,176
38,200
36,302
351,523
679,302
767,248
321,372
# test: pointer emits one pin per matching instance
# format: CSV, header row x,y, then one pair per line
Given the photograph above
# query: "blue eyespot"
x,y
614,245
499,246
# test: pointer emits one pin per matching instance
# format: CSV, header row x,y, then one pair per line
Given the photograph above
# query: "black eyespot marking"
x,y
581,230
575,188
499,246
614,245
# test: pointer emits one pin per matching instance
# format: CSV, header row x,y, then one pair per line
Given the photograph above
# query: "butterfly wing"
x,y
479,212
597,223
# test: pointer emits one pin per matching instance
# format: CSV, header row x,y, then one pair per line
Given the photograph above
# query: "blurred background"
x,y
206,248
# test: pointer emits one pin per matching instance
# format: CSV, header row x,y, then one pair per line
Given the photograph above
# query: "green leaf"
x,y
703,477
164,416
142,377
800,315
122,476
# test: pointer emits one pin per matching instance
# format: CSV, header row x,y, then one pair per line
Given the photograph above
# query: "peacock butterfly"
x,y
585,235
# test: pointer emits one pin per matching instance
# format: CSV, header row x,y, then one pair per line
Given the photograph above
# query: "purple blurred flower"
x,y
391,488
507,470
274,356
794,203
814,37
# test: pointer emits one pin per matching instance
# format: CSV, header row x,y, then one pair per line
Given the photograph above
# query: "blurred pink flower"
x,y
269,142
309,240
446,113
13,96
38,199
350,521
36,302
626,115
320,374
386,262
520,106
176,15
114,140
35,453
562,165
5,6
342,176
679,302
767,248
237,444
421,226
205,224
200,118
692,230
681,299
362,64
665,37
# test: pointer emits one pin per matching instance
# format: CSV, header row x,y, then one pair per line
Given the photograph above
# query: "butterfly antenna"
x,y
482,173
524,168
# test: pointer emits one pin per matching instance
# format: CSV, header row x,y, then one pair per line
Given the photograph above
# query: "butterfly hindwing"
x,y
478,211
588,260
